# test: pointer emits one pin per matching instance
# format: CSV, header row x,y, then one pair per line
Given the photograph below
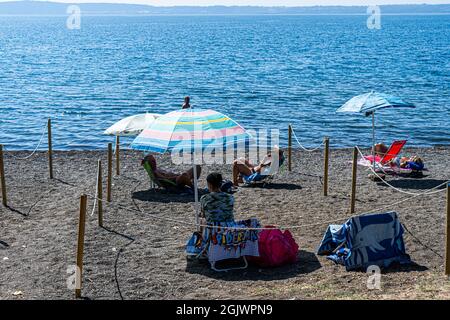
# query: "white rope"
x,y
96,194
187,224
35,149
123,146
427,192
304,148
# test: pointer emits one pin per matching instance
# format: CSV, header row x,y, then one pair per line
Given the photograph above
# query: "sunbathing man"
x,y
414,163
185,179
243,167
216,206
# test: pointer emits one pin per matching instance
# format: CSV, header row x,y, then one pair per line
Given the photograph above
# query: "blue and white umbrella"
x,y
370,102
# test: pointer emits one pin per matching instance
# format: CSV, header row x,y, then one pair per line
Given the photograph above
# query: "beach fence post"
x,y
290,147
447,234
326,165
354,173
117,155
50,150
80,246
2,177
100,193
109,182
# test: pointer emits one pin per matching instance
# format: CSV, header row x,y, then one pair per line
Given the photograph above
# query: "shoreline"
x,y
283,147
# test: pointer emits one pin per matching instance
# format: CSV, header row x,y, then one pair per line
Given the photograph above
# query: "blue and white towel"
x,y
375,239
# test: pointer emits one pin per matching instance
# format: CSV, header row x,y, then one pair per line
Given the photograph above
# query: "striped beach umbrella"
x,y
192,131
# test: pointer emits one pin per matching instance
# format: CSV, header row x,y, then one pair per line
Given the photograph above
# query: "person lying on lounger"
x,y
243,167
216,206
414,163
185,179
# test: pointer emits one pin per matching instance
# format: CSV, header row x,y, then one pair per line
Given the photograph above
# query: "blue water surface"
x,y
263,71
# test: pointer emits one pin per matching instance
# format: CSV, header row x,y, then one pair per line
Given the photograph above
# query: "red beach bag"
x,y
276,248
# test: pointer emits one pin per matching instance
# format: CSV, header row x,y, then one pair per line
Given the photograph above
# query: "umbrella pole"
x,y
373,139
196,197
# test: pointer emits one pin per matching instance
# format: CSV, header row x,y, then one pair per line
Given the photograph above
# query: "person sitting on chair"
x,y
381,149
243,167
185,179
216,206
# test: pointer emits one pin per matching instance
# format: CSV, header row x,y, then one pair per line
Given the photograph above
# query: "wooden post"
x,y
290,147
447,234
354,173
80,246
109,182
117,155
50,151
100,193
2,177
325,166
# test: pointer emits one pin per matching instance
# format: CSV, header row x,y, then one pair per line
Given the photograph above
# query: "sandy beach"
x,y
150,228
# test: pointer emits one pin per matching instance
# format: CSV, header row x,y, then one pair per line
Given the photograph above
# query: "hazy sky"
x,y
260,2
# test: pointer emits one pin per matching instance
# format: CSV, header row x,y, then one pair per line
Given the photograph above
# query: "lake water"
x,y
263,71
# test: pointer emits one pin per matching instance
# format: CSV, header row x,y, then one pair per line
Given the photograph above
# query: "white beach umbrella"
x,y
133,125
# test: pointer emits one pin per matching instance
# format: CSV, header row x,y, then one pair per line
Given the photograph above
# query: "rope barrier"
x,y
421,243
35,149
116,262
96,195
428,192
304,148
185,224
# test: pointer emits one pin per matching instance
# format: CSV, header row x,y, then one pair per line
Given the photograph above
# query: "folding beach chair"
x,y
224,241
265,177
166,184
393,152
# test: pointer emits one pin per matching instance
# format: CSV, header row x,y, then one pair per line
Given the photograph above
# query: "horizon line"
x,y
220,5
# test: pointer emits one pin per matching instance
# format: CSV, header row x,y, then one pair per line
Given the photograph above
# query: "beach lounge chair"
x,y
365,240
223,241
393,152
166,184
266,176
383,162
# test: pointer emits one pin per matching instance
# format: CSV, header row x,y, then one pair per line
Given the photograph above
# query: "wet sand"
x,y
38,232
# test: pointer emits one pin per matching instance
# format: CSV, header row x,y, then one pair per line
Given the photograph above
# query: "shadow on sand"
x,y
412,267
23,214
397,267
277,186
64,182
416,184
164,196
307,262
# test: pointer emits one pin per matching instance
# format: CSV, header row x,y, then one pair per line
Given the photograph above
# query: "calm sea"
x,y
263,71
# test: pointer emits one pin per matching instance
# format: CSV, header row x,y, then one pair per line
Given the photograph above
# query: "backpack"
x,y
227,186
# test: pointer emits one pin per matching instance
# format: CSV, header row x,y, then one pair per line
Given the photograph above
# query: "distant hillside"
x,y
53,8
